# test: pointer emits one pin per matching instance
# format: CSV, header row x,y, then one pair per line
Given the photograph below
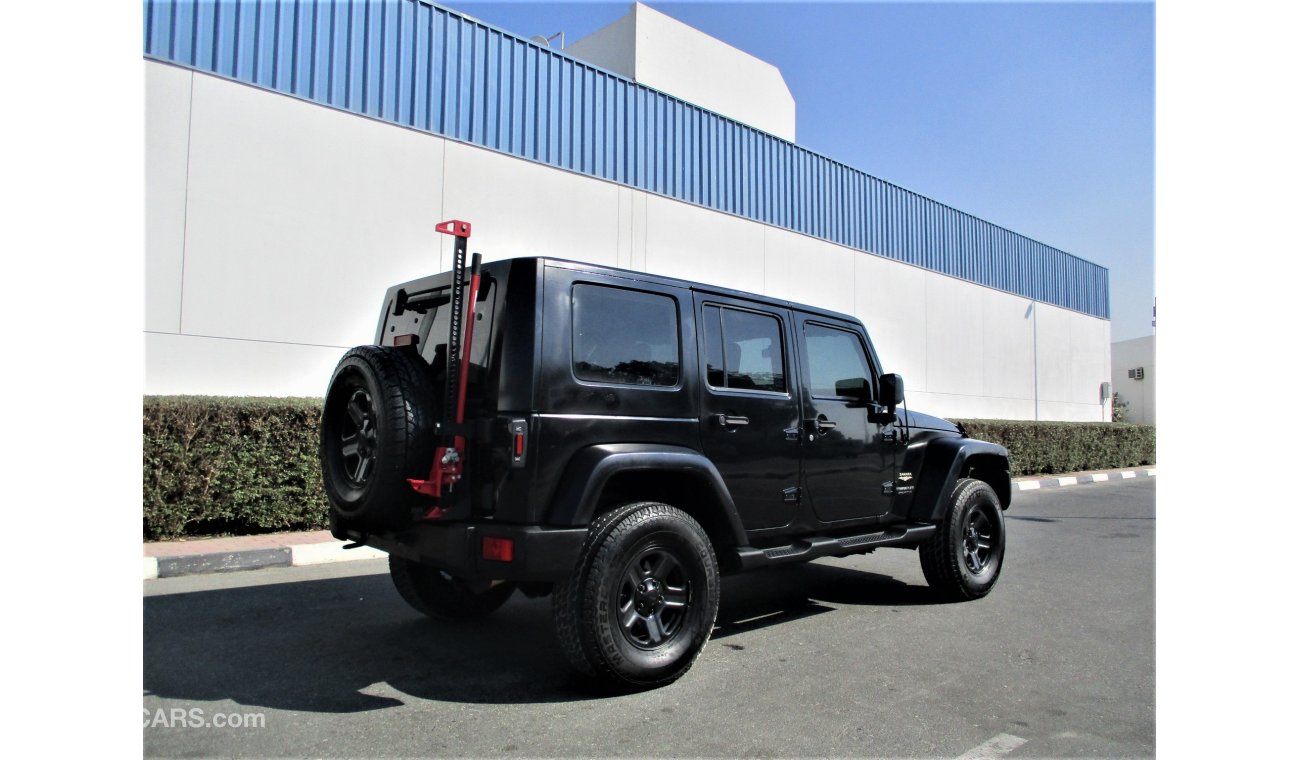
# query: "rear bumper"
x,y
540,554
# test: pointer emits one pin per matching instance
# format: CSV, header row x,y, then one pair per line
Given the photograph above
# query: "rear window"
x,y
626,337
437,323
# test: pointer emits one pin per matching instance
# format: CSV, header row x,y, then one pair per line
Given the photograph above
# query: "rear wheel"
x,y
640,606
963,559
442,597
376,432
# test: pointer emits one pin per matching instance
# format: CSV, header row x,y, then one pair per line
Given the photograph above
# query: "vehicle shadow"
x,y
781,594
351,644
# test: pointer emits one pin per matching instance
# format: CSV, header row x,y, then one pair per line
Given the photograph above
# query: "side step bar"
x,y
824,546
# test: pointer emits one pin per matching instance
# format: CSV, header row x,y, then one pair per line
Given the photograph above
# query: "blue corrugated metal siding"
x,y
429,68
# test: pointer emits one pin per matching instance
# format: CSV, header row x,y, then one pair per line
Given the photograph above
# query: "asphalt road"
x,y
846,657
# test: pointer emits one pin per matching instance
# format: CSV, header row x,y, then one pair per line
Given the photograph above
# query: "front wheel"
x,y
640,605
963,559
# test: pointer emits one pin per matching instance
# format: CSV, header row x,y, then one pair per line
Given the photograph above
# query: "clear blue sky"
x,y
1035,116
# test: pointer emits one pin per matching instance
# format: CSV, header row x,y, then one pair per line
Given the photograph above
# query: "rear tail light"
x,y
499,549
518,442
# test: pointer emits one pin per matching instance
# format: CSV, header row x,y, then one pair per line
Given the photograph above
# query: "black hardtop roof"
x,y
664,280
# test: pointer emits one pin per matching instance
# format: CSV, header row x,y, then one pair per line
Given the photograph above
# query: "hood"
x,y
924,421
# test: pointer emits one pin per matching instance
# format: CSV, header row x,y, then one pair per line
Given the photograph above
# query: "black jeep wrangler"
x,y
619,440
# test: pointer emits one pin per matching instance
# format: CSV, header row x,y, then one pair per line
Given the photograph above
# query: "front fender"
x,y
591,468
946,459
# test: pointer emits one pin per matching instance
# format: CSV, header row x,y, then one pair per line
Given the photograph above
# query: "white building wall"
x,y
681,240
286,204
1140,394
166,163
274,233
521,208
661,52
611,47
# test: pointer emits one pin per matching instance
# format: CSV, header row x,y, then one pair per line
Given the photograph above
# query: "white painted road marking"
x,y
1100,477
1128,474
1028,485
150,568
998,746
1070,481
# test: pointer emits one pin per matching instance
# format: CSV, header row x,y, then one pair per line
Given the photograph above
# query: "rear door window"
x,y
625,337
744,350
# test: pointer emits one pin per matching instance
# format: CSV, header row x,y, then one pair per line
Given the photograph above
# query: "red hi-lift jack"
x,y
449,457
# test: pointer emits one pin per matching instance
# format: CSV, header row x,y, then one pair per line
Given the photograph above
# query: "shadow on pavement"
x,y
1058,518
351,644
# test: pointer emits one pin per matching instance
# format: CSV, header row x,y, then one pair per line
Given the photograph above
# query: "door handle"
x,y
821,424
731,420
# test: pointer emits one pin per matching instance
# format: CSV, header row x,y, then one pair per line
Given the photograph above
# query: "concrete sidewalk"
x,y
167,559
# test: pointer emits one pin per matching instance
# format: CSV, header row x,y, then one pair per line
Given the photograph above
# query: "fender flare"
x,y
945,460
591,468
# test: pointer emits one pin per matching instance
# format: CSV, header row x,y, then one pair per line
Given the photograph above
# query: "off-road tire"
x,y
442,597
379,407
643,540
948,567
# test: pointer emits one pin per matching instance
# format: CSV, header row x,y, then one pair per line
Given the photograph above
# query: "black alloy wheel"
x,y
358,439
963,559
978,538
653,599
643,596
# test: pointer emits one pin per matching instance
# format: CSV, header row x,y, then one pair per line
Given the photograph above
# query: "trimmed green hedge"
x,y
1051,447
215,465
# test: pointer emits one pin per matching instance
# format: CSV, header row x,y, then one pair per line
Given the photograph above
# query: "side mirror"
x,y
891,390
856,388
883,411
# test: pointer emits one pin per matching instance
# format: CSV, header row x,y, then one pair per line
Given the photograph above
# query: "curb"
x,y
318,552
1034,484
293,555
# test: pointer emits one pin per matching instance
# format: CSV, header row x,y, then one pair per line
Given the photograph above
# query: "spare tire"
x,y
377,430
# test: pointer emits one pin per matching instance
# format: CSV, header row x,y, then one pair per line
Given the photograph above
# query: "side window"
x,y
715,367
833,355
624,336
743,350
